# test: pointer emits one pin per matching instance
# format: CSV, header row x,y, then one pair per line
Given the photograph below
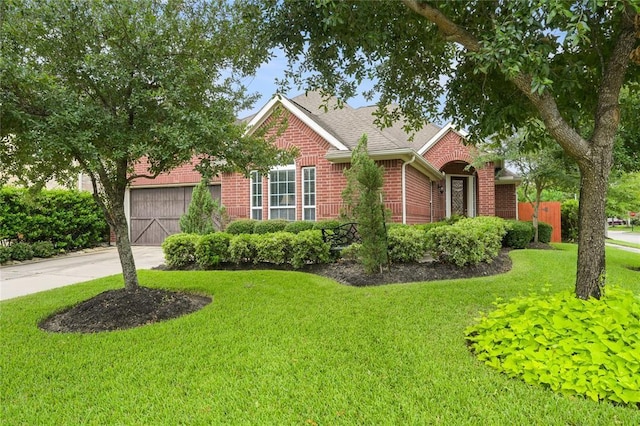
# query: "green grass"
x,y
623,243
290,348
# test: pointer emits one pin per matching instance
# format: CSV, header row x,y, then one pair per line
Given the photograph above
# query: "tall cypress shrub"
x,y
199,217
363,202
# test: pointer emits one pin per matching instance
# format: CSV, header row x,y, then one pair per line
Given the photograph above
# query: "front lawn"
x,y
280,347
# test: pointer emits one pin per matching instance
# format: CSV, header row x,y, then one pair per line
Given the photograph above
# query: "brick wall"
x,y
506,201
181,175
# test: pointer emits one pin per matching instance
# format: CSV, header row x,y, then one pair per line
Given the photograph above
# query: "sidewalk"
x,y
44,274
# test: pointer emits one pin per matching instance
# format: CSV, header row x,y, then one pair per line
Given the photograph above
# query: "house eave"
x,y
420,163
508,180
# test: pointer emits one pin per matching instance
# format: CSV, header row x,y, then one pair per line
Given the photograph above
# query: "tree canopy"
x,y
100,86
498,63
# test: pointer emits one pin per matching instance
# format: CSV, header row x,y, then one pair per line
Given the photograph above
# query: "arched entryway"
x,y
460,189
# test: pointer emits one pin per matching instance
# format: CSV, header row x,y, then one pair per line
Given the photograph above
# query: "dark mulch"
x,y
122,309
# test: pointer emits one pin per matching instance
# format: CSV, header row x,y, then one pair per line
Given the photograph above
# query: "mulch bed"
x,y
122,309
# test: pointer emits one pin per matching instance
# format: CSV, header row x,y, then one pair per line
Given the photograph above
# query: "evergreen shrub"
x,y
212,249
573,346
327,224
406,243
180,250
21,251
43,249
299,226
241,226
270,226
569,221
468,241
519,234
274,248
544,232
5,254
351,252
242,248
308,247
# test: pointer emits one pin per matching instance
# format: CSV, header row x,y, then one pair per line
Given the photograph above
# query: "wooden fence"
x,y
548,212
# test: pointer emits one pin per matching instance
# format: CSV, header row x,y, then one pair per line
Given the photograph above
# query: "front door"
x,y
459,196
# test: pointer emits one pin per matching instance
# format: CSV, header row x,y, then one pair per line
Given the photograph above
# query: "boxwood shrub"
x,y
327,224
241,226
242,248
544,232
180,250
468,241
299,226
5,254
573,346
309,248
212,249
519,234
274,248
270,226
21,251
406,243
43,249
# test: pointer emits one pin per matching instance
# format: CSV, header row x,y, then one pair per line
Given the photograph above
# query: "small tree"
x,y
199,216
363,203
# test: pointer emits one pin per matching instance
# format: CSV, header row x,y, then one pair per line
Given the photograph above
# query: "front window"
x,y
282,194
256,196
309,193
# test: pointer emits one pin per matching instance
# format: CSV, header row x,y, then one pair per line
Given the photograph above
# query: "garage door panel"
x,y
156,212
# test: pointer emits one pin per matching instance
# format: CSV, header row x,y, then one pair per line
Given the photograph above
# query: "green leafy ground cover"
x,y
278,347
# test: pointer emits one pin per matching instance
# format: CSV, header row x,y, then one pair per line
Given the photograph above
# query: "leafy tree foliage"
x,y
363,198
98,86
624,195
499,63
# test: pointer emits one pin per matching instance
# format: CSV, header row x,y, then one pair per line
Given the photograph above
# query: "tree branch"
x,y
567,137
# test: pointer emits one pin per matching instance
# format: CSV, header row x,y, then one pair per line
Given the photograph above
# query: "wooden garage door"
x,y
155,212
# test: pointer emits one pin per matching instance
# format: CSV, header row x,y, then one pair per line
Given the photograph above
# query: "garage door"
x,y
156,212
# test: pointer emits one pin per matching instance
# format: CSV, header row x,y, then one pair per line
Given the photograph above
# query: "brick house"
x,y
425,178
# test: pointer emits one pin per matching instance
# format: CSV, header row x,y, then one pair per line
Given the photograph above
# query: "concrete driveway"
x,y
39,275
627,236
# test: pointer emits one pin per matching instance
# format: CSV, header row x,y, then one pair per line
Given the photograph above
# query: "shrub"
x,y
569,221
199,216
299,226
574,346
69,219
454,218
242,248
406,244
180,250
327,224
519,234
544,232
5,254
351,252
212,249
21,251
468,241
274,248
241,226
43,249
308,247
270,226
426,227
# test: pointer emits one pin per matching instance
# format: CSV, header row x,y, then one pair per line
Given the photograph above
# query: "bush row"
x,y
25,251
251,226
208,251
68,219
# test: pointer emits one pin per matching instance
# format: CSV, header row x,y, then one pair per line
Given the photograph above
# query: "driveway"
x,y
39,275
627,236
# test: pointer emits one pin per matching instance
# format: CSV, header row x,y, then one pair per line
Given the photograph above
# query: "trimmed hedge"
x,y
180,250
569,221
68,219
468,241
21,251
270,226
544,232
242,248
308,247
5,254
43,249
406,243
212,249
299,226
519,234
241,226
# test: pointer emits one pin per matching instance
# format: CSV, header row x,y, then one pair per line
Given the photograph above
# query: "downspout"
x,y
404,188
431,204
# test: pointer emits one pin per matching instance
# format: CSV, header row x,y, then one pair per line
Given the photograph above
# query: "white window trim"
x,y
295,193
251,194
315,193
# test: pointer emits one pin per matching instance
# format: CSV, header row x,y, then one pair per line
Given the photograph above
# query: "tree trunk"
x,y
123,244
590,278
536,211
